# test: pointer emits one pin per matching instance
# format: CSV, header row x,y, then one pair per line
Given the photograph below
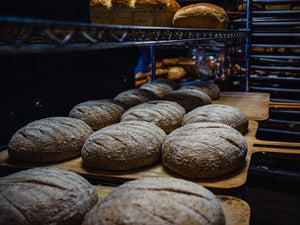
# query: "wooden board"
x,y
254,105
237,211
230,181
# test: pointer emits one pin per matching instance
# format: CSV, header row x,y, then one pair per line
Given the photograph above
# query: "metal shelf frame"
x,y
19,35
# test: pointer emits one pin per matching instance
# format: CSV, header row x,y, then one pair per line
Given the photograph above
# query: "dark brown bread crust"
x,y
157,201
165,114
218,113
136,96
204,150
45,196
49,140
209,88
98,113
160,87
123,146
189,99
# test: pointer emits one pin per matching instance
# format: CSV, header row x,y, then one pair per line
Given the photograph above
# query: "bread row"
x,y
130,132
270,6
51,196
161,13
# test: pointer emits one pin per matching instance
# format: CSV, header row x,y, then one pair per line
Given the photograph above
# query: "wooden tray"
x,y
254,105
230,181
237,211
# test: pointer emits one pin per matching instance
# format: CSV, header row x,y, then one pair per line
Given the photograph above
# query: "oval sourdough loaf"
x,y
98,113
165,114
158,201
218,113
123,146
160,87
201,15
49,140
136,96
204,150
133,12
45,196
189,99
209,88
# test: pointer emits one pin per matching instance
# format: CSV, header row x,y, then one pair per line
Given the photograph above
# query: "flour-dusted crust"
x,y
209,88
45,196
49,140
165,114
229,115
136,96
157,201
98,113
123,146
189,99
160,87
204,150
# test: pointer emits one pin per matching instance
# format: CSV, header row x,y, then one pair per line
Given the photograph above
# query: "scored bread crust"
x,y
229,115
204,150
160,87
160,201
98,113
209,88
201,15
123,146
49,140
189,99
45,196
165,114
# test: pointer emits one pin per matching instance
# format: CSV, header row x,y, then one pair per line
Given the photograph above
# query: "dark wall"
x,y
34,86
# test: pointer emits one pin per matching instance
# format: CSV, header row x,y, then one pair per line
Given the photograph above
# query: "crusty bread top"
x,y
157,201
202,9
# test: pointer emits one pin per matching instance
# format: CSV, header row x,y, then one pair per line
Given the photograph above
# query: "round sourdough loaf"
x,y
157,201
218,113
98,113
136,96
189,99
45,196
209,88
201,15
49,140
165,114
123,146
204,150
160,87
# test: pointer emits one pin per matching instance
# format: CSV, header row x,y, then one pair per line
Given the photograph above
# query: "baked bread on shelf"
x,y
165,114
50,139
133,12
123,146
151,201
225,114
45,196
204,150
201,15
98,113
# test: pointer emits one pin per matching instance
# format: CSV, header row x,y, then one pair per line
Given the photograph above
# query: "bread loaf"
x,y
45,196
49,140
157,201
160,87
209,88
133,12
189,99
218,113
98,113
136,96
123,146
204,150
165,114
201,15
176,73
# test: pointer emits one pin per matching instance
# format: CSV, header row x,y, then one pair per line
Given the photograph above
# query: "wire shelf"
x,y
34,35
